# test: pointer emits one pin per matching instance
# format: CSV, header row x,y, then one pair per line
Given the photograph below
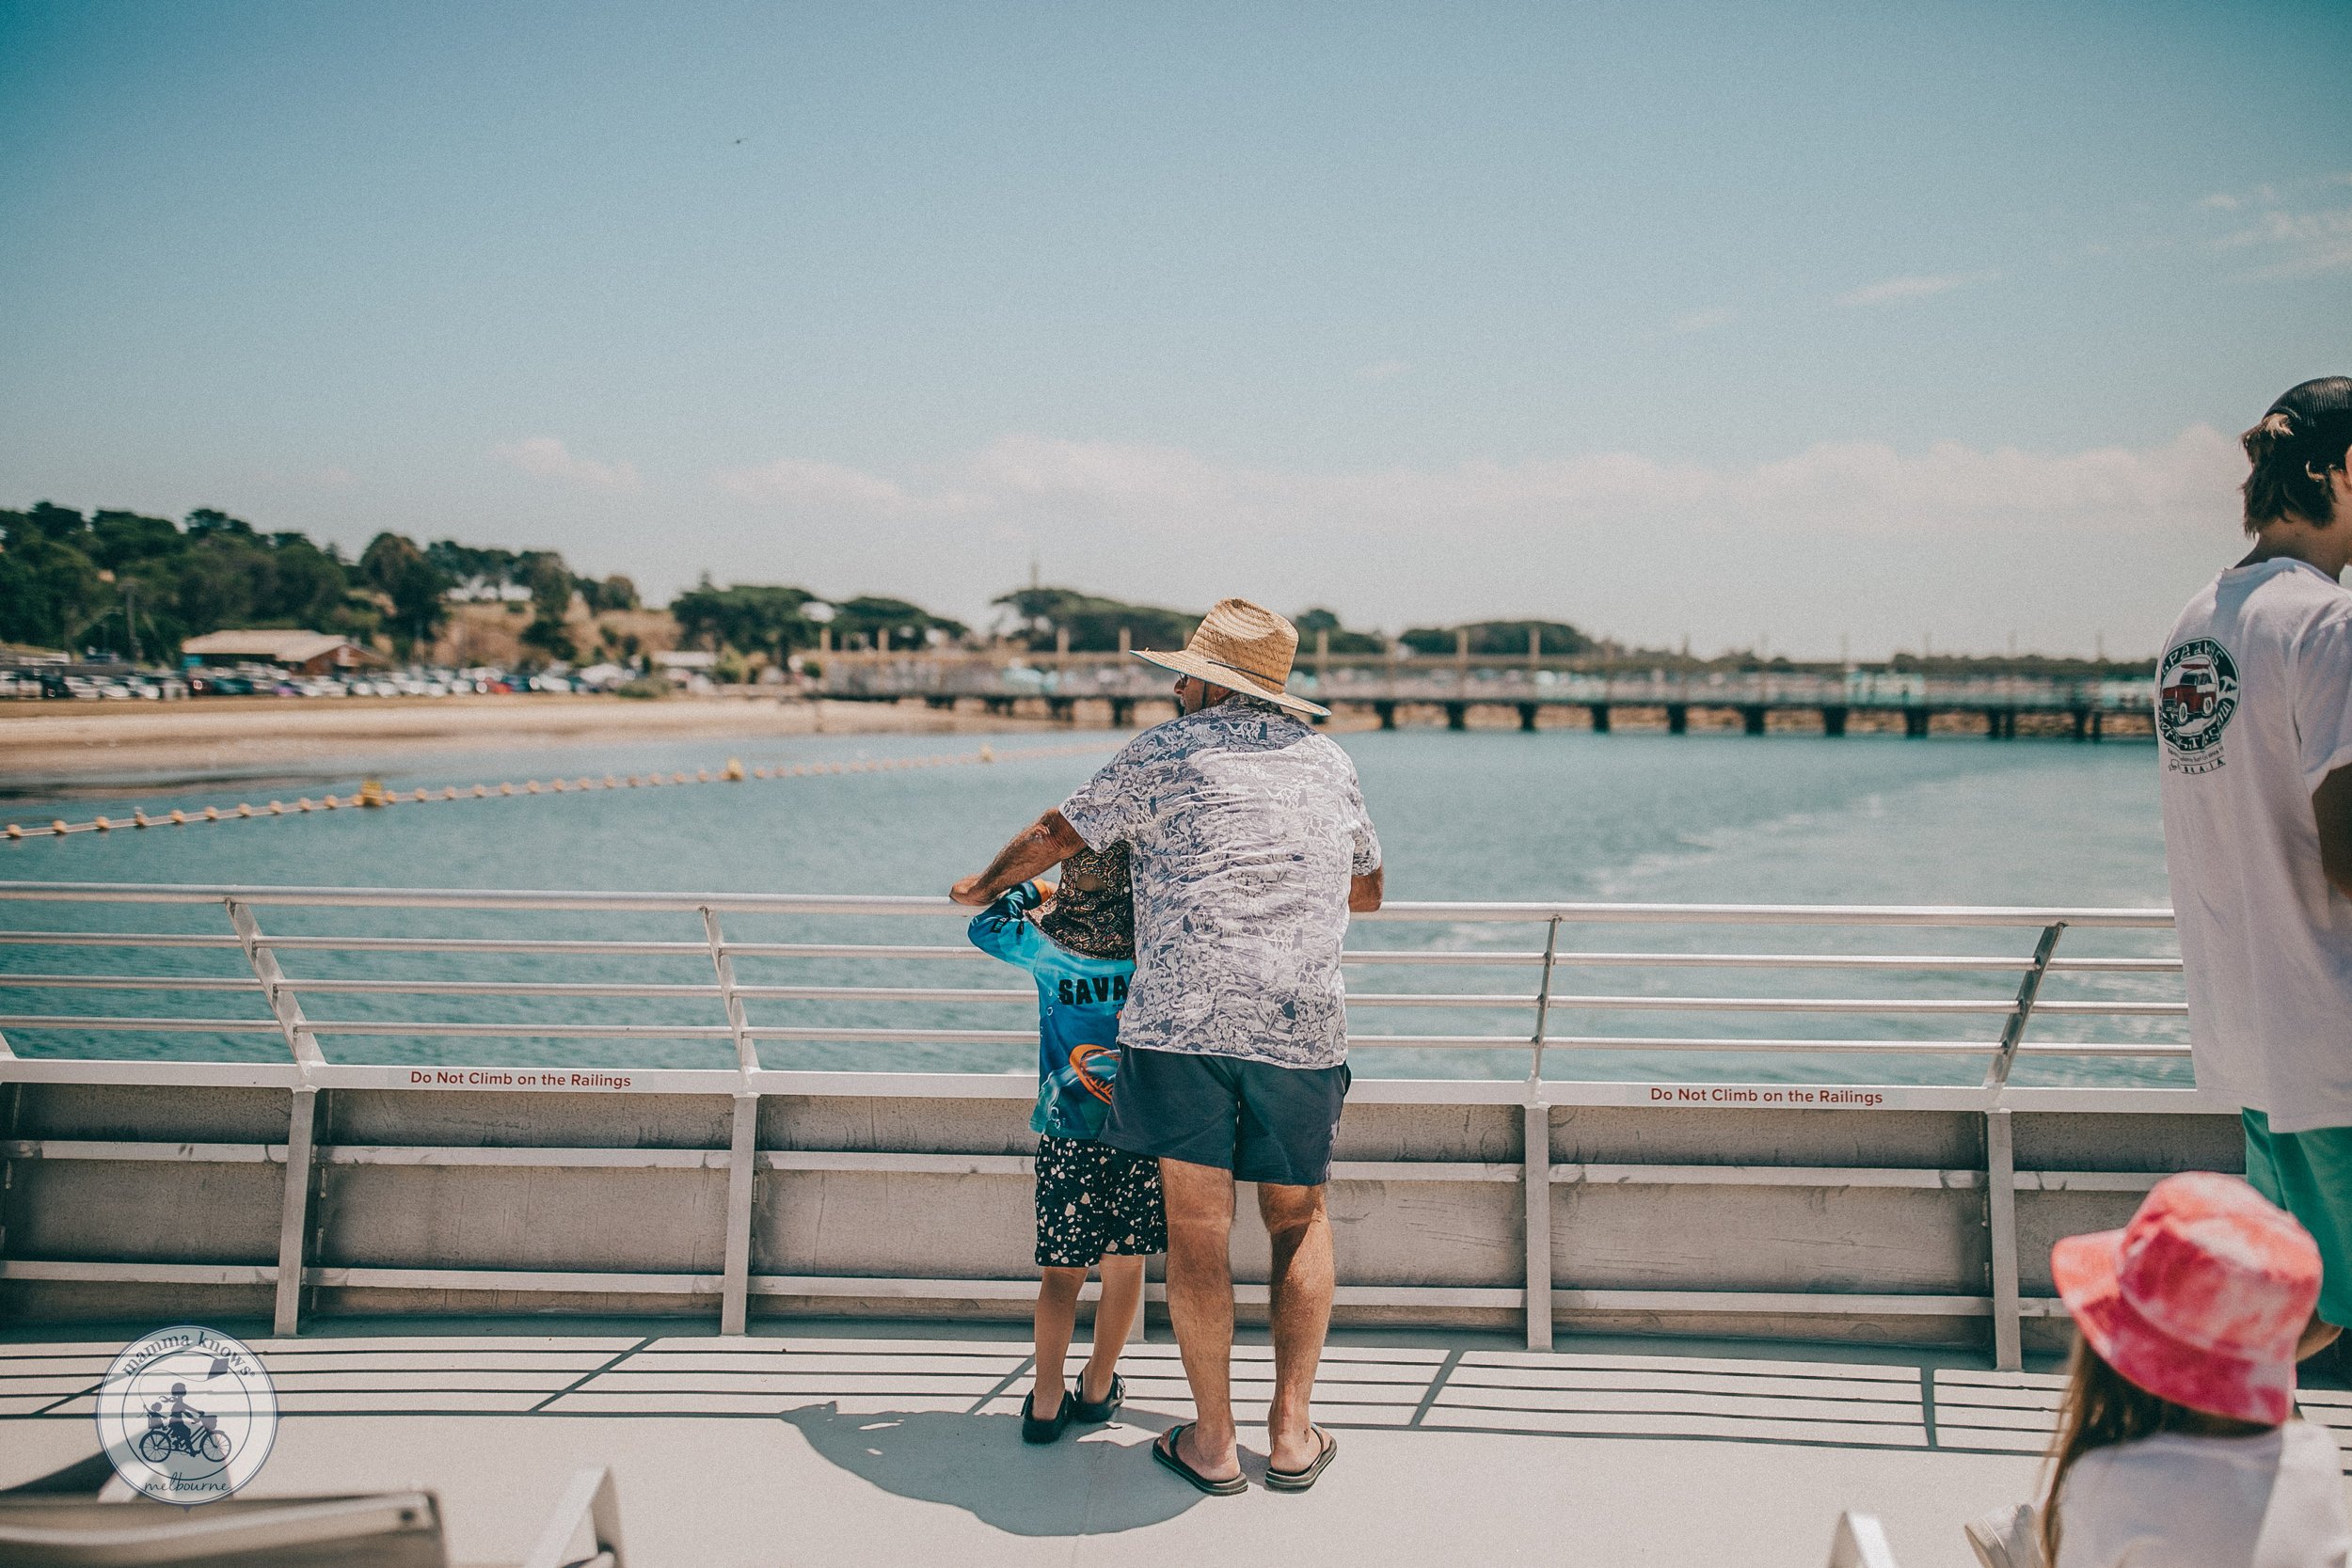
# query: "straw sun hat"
x,y
1242,647
2200,1299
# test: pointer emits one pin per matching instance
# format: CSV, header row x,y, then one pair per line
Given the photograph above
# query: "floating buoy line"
x,y
372,795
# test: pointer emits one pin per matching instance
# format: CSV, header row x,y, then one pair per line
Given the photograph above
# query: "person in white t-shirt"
x,y
2254,710
2178,1446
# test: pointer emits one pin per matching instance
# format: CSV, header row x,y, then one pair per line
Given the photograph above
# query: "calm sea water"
x,y
1475,816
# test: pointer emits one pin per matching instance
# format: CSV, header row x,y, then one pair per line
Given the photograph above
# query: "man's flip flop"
x,y
1164,1449
1299,1480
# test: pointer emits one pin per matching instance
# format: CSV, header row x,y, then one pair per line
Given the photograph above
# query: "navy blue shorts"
x,y
1261,1122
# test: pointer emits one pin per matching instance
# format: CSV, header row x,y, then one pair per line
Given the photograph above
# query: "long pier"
x,y
1463,695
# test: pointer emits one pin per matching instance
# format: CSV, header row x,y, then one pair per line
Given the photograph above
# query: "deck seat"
x,y
83,1516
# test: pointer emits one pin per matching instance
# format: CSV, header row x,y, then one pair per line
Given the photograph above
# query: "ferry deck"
x,y
1679,1322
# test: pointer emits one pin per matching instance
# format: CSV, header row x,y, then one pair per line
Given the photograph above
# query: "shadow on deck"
x,y
825,1443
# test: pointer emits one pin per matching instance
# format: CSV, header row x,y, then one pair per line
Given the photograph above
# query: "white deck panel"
x,y
884,1449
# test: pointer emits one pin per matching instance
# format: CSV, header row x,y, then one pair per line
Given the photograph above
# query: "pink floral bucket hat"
x,y
2200,1299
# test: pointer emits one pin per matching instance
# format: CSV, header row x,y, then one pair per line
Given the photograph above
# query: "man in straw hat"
x,y
1249,846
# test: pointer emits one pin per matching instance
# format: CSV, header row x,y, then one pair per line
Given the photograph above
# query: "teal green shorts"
x,y
2310,1176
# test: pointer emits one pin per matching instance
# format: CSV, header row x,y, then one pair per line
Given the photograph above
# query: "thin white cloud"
x,y
1705,321
545,457
1032,485
2223,201
1914,286
804,484
1383,370
1852,536
2302,242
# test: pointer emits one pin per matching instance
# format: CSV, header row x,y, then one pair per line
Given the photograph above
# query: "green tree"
x,y
870,620
1501,639
614,593
751,617
1311,622
395,567
1039,614
50,587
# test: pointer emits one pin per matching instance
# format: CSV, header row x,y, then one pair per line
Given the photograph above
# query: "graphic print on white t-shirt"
x,y
2259,668
2195,694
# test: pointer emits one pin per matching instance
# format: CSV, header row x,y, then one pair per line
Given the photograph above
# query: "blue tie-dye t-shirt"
x,y
1078,1000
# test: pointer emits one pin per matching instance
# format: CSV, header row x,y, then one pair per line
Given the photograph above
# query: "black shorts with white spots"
x,y
1093,1200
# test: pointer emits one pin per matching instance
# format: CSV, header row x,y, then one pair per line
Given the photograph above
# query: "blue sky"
x,y
1800,322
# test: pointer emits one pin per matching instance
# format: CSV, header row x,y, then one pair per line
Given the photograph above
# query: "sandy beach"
x,y
91,742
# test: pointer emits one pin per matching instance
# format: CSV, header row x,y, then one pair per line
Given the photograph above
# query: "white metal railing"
x,y
80,938
1552,1015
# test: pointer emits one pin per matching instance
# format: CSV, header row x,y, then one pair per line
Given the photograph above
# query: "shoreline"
x,y
227,737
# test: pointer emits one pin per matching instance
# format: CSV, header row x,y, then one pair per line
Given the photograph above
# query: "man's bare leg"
x,y
1300,1314
1201,1307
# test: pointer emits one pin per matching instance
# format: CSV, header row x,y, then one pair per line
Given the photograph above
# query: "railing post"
x,y
294,1216
742,1159
2000,1204
2029,990
1536,1156
274,986
1535,1151
746,1049
1543,1010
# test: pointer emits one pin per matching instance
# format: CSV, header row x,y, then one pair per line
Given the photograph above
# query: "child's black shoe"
x,y
1035,1431
1095,1412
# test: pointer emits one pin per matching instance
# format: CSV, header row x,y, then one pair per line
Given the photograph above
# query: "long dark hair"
x,y
2103,1408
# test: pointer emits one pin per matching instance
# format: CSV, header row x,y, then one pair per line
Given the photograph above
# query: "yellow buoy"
x,y
734,774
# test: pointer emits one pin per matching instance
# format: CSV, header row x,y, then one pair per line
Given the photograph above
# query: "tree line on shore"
x,y
123,584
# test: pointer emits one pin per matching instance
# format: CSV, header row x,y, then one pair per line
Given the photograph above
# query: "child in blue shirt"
x,y
1096,1205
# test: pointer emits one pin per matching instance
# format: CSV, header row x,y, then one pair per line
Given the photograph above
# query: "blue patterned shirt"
x,y
1078,1000
1243,827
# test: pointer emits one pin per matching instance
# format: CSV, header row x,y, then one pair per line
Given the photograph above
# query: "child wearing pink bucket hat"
x,y
2177,1446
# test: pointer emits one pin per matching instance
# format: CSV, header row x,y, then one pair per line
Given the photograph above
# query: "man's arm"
x,y
1037,849
2331,803
1364,889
